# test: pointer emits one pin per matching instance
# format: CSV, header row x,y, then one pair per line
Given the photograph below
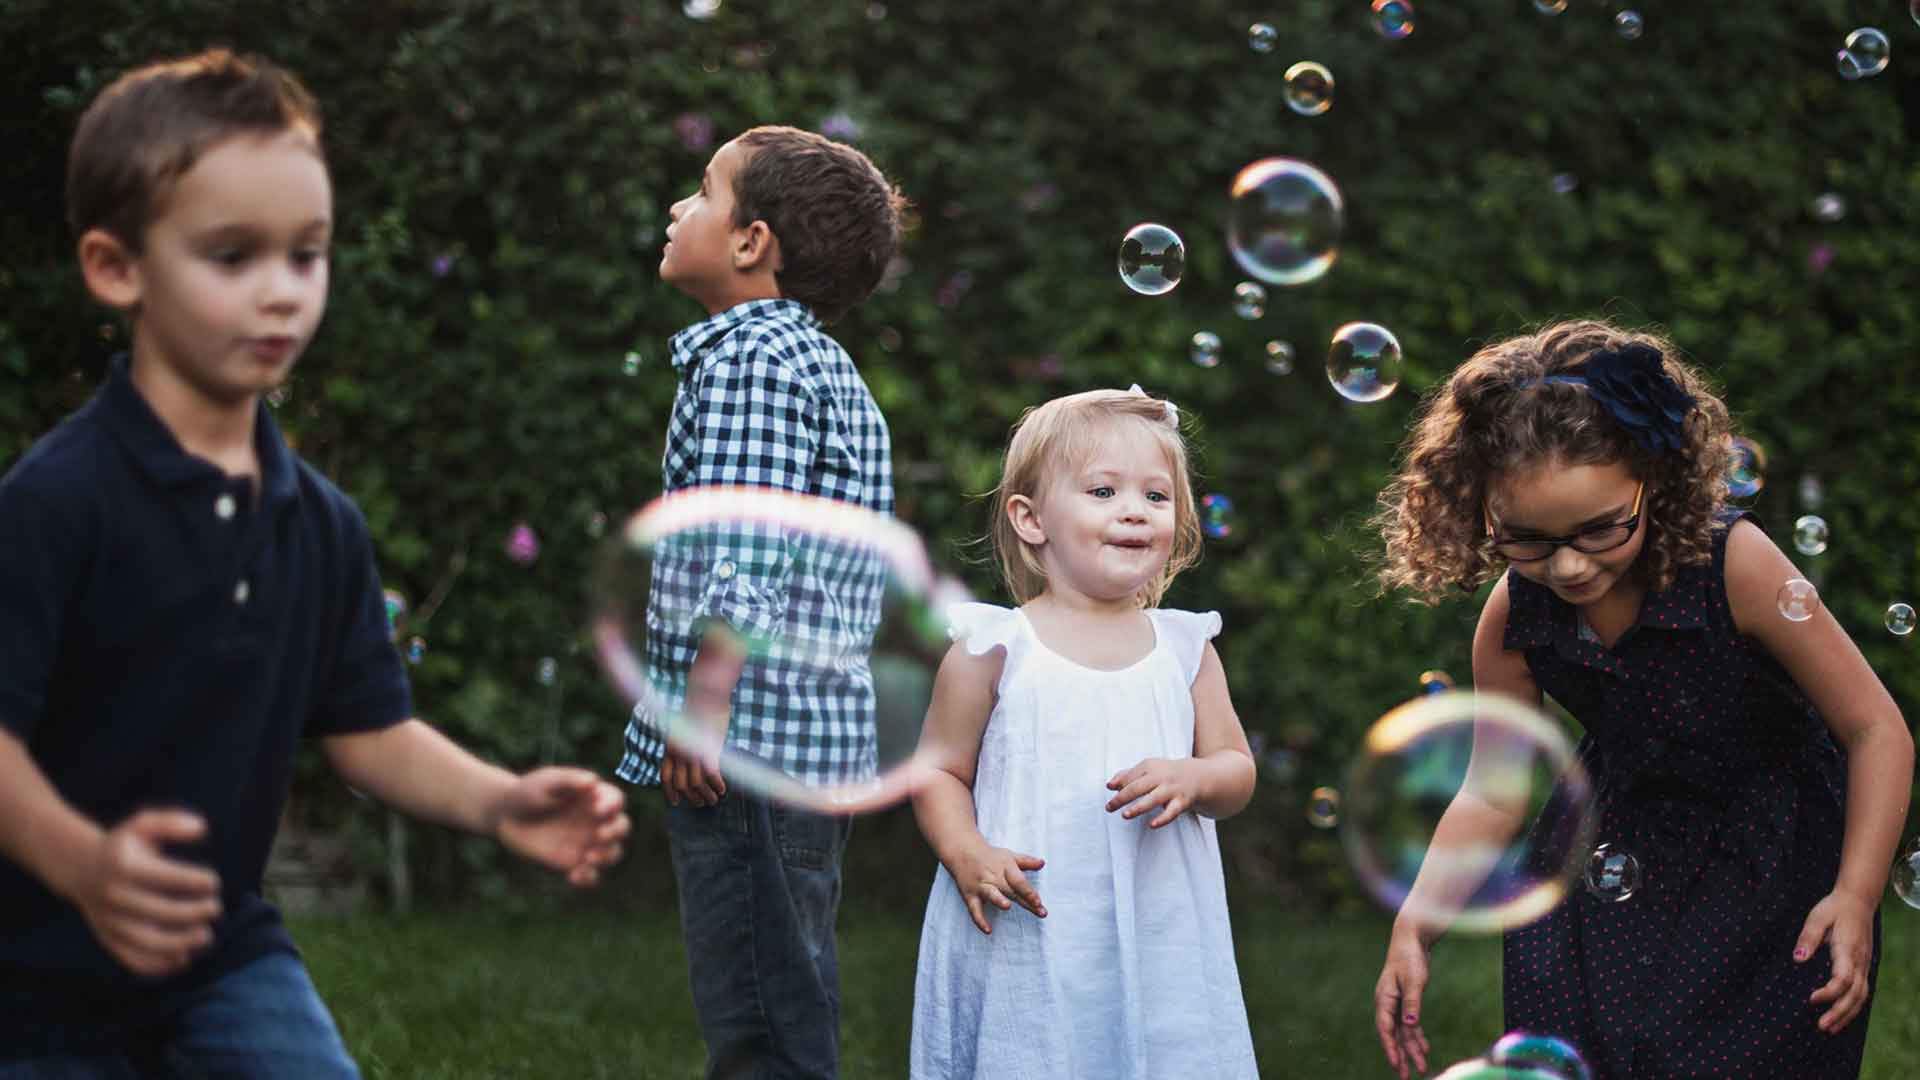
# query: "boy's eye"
x,y
306,257
229,257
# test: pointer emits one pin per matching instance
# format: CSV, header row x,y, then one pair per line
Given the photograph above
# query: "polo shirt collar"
x,y
160,456
687,346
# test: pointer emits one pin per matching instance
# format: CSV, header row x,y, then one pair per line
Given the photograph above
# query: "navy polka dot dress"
x,y
1714,771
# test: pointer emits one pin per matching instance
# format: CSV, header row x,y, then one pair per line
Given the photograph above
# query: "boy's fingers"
x,y
150,870
159,827
167,912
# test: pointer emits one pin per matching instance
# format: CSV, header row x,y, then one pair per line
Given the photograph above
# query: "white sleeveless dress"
x,y
1131,974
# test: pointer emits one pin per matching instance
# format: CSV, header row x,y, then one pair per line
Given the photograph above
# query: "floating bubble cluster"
x,y
1900,619
1279,357
1810,534
1309,88
1284,221
1216,516
1204,349
1797,600
1416,760
1747,472
1249,300
1864,55
1393,18
1363,363
1152,259
1613,875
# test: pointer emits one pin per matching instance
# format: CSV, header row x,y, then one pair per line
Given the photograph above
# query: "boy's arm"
x,y
564,818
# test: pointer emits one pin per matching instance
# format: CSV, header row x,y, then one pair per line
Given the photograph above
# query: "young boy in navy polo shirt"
x,y
182,599
787,231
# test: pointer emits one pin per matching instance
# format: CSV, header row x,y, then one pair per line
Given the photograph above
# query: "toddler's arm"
x,y
963,696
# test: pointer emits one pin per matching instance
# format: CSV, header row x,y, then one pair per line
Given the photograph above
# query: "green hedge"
x,y
529,149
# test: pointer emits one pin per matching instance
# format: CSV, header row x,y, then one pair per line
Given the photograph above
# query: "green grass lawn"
x,y
585,992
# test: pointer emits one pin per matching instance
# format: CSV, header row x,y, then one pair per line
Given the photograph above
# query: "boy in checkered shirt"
x,y
788,231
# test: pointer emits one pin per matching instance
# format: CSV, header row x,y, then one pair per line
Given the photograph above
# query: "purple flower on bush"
x,y
1038,197
695,131
954,289
1819,257
840,125
523,544
441,265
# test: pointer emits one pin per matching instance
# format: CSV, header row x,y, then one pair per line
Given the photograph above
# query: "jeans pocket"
x,y
807,841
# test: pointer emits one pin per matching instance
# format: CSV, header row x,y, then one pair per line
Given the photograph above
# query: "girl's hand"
x,y
1845,923
1396,1001
990,875
1170,783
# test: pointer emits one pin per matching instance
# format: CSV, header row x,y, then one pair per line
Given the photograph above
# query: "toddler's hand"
x,y
1166,782
151,912
990,875
1845,923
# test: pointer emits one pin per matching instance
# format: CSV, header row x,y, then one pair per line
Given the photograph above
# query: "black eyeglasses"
x,y
1591,541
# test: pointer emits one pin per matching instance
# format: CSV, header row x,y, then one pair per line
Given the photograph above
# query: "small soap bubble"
x,y
1565,183
1309,88
1629,25
1847,65
1393,18
1279,357
396,605
1543,1055
1216,516
1204,350
1323,808
1612,875
630,364
597,525
523,544
1797,600
416,650
1828,207
547,671
1906,868
1284,221
1363,363
1262,37
1549,7
1747,472
1435,682
1867,50
1810,534
1152,258
1900,619
701,9
1249,300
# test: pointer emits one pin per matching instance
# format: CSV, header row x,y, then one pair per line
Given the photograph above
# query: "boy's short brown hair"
x,y
836,217
148,128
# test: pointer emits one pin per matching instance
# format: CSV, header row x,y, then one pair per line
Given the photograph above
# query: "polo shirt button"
x,y
724,571
224,506
241,591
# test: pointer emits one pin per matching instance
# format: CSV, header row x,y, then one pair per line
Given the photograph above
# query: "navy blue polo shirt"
x,y
167,638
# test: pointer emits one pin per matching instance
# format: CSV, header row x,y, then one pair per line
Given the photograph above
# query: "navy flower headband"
x,y
1633,385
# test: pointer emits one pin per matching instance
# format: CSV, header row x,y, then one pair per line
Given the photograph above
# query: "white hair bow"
x,y
1173,411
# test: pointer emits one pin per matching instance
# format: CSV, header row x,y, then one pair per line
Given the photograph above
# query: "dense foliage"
x,y
504,168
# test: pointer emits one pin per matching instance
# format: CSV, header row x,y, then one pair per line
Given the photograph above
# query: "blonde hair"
x,y
1064,433
1497,412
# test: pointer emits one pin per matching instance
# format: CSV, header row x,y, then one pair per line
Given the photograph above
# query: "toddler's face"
x,y
233,271
1109,521
698,255
1558,500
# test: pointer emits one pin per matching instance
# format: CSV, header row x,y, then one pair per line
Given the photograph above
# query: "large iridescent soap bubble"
x,y
1550,1058
1152,259
1481,1069
722,573
1284,221
1501,758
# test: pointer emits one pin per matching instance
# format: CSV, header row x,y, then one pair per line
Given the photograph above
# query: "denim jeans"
x,y
262,1019
759,888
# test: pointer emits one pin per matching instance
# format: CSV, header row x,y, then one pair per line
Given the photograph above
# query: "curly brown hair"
x,y
1496,413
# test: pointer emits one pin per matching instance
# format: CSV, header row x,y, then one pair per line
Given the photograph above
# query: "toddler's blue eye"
x,y
1157,496
1101,492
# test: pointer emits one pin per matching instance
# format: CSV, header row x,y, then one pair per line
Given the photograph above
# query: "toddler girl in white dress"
x,y
1085,743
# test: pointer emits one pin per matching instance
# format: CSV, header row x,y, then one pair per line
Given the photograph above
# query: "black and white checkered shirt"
x,y
768,400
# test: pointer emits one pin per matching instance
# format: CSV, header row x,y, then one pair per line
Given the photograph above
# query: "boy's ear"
x,y
1025,520
755,247
111,271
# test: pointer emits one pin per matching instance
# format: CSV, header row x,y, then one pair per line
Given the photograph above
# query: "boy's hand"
x,y
990,875
1845,923
1166,782
152,913
691,770
565,819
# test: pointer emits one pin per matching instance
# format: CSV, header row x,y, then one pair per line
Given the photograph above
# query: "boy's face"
x,y
698,259
232,280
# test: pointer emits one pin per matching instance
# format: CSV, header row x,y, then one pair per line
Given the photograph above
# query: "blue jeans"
x,y
759,888
261,1019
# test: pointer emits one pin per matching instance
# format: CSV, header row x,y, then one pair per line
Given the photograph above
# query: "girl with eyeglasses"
x,y
1751,763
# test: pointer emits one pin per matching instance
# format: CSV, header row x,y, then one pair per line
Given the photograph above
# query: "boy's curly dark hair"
x,y
1495,413
836,217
